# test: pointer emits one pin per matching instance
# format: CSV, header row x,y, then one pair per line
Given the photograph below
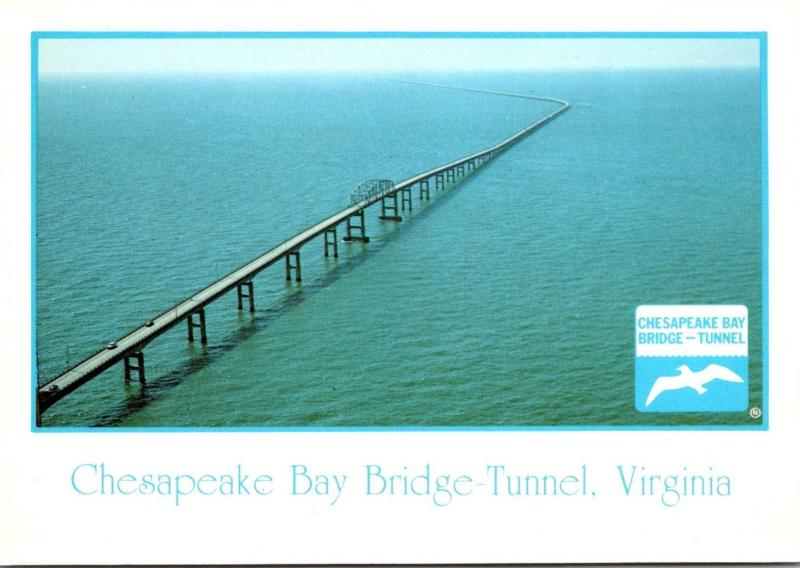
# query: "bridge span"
x,y
129,348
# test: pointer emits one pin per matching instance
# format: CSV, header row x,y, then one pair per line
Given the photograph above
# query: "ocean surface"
x,y
507,300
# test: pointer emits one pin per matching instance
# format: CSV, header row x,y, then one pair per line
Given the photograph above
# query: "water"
x,y
505,301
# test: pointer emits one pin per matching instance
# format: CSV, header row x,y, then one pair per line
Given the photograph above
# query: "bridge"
x,y
130,349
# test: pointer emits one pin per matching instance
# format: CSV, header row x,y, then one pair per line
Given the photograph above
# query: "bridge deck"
x,y
137,339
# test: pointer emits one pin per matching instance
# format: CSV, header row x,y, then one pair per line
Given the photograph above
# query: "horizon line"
x,y
380,71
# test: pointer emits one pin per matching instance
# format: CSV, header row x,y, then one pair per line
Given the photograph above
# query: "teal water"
x,y
508,300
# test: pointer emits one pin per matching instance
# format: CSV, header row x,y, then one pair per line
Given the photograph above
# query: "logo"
x,y
691,359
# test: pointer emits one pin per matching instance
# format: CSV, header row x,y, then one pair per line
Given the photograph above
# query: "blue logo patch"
x,y
691,358
691,384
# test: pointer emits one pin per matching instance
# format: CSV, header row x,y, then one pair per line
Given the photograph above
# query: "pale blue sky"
x,y
281,55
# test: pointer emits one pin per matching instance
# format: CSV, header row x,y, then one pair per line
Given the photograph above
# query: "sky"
x,y
282,55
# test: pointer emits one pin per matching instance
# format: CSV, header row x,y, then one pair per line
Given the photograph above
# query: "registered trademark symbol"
x,y
755,412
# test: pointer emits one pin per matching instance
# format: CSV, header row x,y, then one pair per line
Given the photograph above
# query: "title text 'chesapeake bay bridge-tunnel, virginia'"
x,y
129,349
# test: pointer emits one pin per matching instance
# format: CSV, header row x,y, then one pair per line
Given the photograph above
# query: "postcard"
x,y
307,294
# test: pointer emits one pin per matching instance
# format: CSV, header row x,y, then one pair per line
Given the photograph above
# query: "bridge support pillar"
x,y
451,174
470,165
391,207
460,169
424,190
241,294
201,323
331,242
130,366
439,181
351,226
293,263
405,198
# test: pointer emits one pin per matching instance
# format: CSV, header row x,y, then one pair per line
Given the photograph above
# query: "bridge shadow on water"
x,y
138,395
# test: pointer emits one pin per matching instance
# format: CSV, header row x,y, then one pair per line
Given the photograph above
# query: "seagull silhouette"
x,y
693,379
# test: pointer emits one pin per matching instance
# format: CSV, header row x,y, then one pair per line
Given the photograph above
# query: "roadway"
x,y
137,339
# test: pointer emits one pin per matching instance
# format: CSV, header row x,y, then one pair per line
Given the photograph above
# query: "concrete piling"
x,y
405,198
201,323
389,208
293,263
358,226
241,294
138,367
424,190
331,242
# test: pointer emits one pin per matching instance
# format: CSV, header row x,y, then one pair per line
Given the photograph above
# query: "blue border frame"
x,y
34,117
760,36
